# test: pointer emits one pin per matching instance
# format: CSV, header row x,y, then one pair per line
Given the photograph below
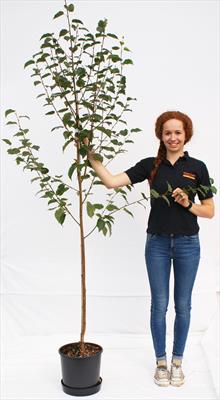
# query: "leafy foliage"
x,y
82,83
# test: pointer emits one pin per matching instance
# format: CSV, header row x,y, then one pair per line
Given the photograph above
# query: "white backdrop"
x,y
175,50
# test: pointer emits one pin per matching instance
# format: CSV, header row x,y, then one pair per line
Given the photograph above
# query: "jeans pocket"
x,y
151,235
192,238
196,236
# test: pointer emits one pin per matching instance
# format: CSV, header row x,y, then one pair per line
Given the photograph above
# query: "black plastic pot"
x,y
80,376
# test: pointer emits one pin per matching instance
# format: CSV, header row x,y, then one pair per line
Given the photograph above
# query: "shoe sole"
x,y
161,384
176,383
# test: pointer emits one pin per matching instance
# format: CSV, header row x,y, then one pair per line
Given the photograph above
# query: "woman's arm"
x,y
206,209
109,180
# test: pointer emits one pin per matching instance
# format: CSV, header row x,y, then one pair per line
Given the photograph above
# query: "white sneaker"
x,y
162,376
176,375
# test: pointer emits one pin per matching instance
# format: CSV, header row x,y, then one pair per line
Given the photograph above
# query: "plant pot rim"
x,y
92,355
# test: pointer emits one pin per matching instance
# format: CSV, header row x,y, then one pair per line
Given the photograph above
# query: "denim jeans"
x,y
160,249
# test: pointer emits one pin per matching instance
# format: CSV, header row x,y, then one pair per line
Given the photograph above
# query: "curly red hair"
x,y
162,151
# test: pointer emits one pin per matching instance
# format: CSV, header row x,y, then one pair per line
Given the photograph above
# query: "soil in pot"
x,y
73,350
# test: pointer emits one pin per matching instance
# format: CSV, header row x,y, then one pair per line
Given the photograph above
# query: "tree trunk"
x,y
83,262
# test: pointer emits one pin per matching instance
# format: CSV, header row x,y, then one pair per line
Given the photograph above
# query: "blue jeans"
x,y
185,252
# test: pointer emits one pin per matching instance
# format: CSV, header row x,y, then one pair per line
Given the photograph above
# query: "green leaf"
x,y
136,130
102,25
201,191
109,226
123,132
105,130
214,189
90,209
50,113
9,111
77,21
63,32
29,63
80,82
24,116
115,141
100,224
34,179
66,134
83,151
11,123
44,170
120,104
67,143
45,75
104,230
46,35
169,187
67,118
112,207
154,193
52,201
109,156
46,179
71,170
60,215
35,147
61,189
13,151
115,70
88,105
70,7
81,72
144,196
108,148
56,127
98,206
58,14
7,141
127,61
115,58
42,94
112,35
47,194
165,198
129,212
18,160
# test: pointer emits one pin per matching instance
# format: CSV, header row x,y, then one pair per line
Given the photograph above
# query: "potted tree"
x,y
83,84
85,88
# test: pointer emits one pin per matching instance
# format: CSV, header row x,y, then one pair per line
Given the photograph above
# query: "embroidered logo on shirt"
x,y
189,175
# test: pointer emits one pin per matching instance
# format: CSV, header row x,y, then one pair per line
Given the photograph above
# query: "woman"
x,y
172,232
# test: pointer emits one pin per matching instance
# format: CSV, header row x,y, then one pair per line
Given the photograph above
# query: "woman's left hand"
x,y
180,197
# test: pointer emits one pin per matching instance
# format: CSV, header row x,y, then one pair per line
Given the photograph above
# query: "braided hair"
x,y
162,151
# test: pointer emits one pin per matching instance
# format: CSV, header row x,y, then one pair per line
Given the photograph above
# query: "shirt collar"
x,y
184,157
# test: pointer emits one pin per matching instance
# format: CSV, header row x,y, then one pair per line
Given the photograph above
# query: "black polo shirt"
x,y
186,172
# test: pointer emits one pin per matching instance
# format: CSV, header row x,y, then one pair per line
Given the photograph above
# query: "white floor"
x,y
31,369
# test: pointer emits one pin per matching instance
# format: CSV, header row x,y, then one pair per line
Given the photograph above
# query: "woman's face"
x,y
173,135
